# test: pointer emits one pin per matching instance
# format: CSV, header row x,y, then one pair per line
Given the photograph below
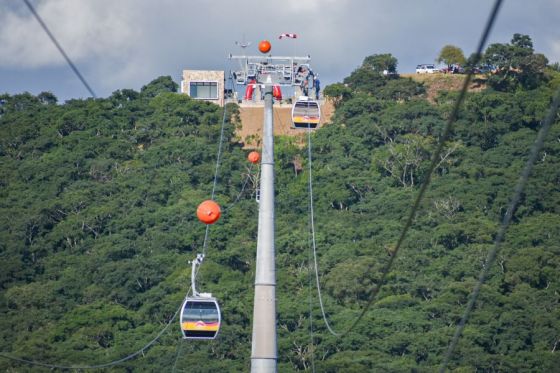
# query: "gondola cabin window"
x,y
204,90
201,312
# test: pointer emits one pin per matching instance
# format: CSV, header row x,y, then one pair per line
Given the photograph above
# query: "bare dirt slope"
x,y
252,119
435,83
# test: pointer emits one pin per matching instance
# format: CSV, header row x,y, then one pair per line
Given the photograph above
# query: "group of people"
x,y
307,79
303,77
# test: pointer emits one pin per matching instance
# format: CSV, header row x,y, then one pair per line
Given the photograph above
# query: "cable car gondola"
x,y
306,113
200,318
200,314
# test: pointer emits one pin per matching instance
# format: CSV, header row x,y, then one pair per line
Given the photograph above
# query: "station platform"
x,y
252,117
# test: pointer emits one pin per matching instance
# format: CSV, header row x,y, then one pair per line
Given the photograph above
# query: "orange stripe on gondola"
x,y
200,325
306,119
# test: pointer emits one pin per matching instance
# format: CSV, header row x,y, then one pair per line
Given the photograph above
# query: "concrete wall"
x,y
204,76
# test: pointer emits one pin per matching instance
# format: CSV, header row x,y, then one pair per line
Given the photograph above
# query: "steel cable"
x,y
435,160
490,258
96,366
59,47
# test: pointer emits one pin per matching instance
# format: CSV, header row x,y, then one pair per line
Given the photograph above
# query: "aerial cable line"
x,y
179,350
215,182
59,47
219,155
490,258
311,332
179,344
227,208
149,344
207,230
158,336
217,167
312,226
415,207
434,163
312,256
97,366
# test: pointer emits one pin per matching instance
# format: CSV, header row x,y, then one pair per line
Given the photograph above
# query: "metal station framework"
x,y
273,70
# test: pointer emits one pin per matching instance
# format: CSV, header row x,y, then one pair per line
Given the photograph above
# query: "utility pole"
x,y
264,350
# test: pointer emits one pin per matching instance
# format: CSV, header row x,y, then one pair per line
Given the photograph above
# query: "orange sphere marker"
x,y
254,157
208,212
264,46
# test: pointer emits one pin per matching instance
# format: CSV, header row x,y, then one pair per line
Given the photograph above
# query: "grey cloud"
x,y
126,43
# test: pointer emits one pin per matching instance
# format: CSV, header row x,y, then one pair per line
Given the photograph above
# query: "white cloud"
x,y
85,29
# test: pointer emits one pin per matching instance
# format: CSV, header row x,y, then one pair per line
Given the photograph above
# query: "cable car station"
x,y
294,83
291,74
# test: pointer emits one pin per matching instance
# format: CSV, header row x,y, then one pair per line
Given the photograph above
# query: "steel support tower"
x,y
266,71
263,349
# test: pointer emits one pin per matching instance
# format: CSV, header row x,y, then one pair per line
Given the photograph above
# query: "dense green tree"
x,y
337,92
400,89
515,64
47,98
451,55
376,76
159,85
365,79
381,62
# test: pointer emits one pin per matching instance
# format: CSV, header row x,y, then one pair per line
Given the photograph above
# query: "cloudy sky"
x,y
126,43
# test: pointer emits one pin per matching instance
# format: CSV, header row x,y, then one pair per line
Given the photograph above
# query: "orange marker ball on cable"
x,y
208,212
254,157
264,46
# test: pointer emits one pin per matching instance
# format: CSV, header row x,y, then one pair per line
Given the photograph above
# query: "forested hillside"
x,y
97,209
